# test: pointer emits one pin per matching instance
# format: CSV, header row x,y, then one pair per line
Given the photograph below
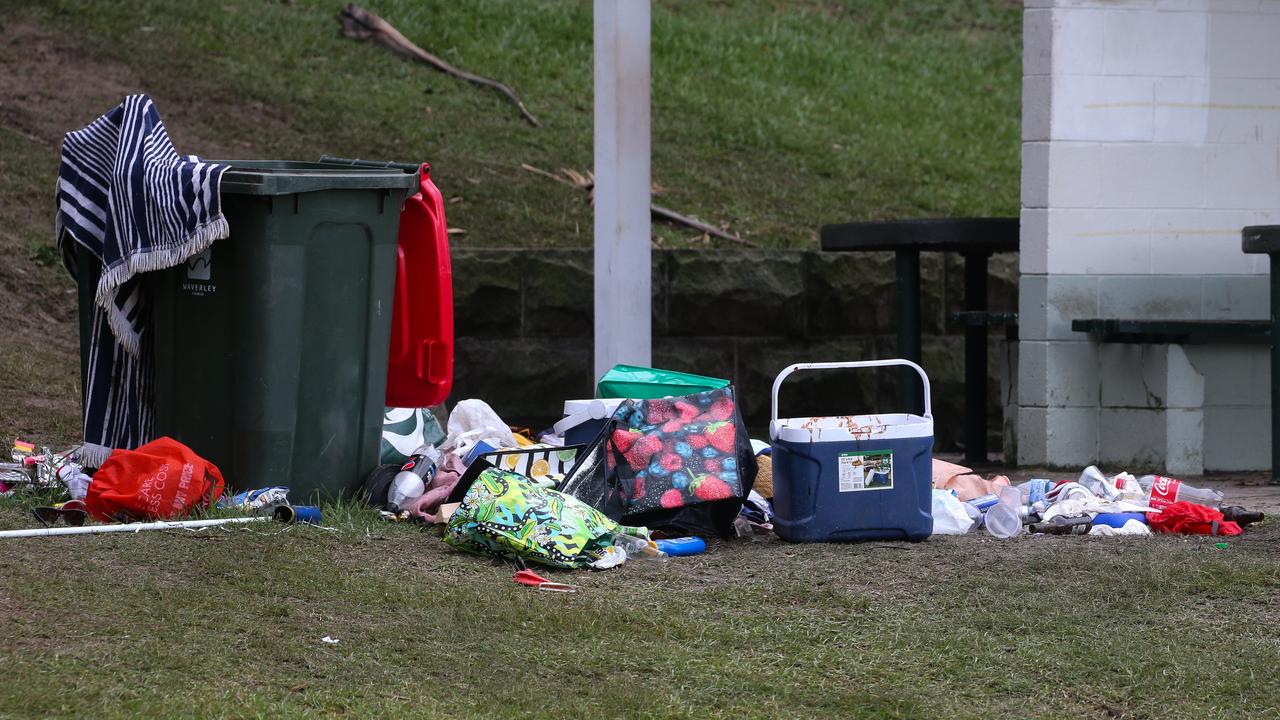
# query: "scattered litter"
x,y
949,514
504,514
261,499
129,527
160,480
327,640
1092,504
1191,519
527,577
680,547
1130,527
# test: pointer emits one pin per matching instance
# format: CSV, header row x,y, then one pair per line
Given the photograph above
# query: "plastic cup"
x,y
1003,522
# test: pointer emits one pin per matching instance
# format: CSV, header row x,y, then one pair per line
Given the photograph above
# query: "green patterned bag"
x,y
405,430
504,514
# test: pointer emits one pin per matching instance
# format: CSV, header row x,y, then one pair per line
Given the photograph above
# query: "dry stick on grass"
x,y
575,179
360,24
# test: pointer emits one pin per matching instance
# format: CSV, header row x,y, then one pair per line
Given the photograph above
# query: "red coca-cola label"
x,y
1164,491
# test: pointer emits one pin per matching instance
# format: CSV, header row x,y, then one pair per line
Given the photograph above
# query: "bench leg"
x,y
975,361
910,391
1275,370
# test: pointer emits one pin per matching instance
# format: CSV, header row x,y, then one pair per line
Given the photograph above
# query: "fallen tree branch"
x,y
696,224
360,24
586,182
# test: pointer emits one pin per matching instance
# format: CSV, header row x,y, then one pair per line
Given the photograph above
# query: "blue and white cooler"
x,y
852,477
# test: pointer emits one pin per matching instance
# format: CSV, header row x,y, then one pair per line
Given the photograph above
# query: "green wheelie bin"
x,y
271,346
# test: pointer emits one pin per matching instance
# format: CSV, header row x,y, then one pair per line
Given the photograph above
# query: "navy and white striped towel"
x,y
133,204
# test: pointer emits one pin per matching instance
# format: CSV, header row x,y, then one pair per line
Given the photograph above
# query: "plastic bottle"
x,y
411,482
75,479
1162,491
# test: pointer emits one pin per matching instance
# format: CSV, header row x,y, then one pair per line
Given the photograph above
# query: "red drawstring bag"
x,y
161,480
1191,519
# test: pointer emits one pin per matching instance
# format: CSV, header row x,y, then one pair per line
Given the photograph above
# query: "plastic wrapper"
x,y
473,421
949,514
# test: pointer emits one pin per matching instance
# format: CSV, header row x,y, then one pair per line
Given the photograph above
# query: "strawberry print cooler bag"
x,y
682,464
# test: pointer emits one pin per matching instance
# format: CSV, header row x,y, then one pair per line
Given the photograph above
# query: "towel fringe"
x,y
159,258
91,455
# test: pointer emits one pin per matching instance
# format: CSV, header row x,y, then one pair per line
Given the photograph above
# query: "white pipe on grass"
x,y
130,527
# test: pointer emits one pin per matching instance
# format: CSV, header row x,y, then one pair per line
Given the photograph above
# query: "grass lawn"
x,y
228,623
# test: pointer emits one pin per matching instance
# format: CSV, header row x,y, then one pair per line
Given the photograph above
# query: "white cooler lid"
x,y
842,428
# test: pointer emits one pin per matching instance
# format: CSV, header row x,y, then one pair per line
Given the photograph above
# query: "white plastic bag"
x,y
473,421
1099,484
949,515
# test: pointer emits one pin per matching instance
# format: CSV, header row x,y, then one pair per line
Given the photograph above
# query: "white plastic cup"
x,y
1004,520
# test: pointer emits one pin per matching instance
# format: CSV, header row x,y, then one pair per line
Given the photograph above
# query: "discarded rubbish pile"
x,y
1093,504
150,488
659,475
681,466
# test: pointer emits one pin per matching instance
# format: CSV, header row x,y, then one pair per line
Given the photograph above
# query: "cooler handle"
x,y
777,383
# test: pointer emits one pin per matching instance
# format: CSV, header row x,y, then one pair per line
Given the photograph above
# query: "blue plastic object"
x,y
480,448
584,433
985,503
1116,520
682,546
298,514
846,478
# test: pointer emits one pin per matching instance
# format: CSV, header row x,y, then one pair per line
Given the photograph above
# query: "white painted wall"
x,y
1151,135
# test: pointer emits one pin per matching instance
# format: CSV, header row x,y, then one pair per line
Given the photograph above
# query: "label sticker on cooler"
x,y
869,470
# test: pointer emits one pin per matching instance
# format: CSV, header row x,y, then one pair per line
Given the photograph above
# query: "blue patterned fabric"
x,y
133,204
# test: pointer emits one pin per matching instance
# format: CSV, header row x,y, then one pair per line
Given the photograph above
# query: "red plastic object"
x,y
420,366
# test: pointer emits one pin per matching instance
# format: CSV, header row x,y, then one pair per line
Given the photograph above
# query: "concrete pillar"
x,y
1151,131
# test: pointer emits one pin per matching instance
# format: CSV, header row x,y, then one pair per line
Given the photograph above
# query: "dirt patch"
x,y
50,83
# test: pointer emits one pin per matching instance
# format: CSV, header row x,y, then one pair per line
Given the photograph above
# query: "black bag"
x,y
679,464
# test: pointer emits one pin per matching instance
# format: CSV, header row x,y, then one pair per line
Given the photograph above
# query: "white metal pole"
x,y
128,527
622,234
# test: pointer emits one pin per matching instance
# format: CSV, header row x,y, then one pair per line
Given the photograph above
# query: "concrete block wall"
x,y
1151,136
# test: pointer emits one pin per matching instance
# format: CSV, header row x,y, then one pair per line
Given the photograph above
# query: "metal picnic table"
x,y
974,238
